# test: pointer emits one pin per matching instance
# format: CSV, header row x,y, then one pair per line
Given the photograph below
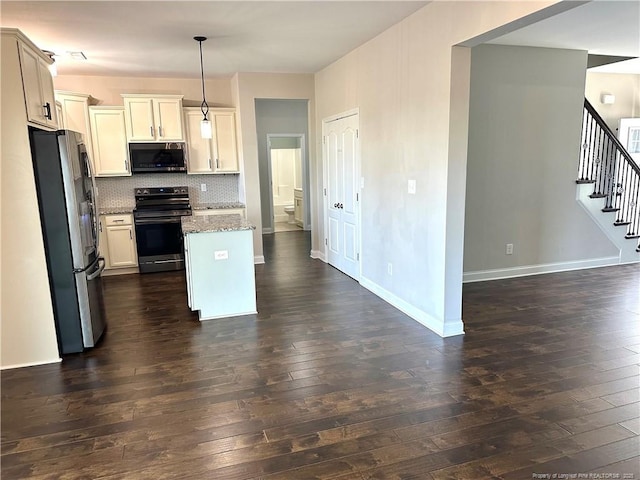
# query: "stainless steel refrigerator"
x,y
67,200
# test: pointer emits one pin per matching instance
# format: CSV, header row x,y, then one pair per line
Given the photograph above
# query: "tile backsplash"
x,y
118,191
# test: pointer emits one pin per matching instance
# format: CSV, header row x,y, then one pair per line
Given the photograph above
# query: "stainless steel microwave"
x,y
157,157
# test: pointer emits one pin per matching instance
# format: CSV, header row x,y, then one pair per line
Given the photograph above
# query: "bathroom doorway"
x,y
287,173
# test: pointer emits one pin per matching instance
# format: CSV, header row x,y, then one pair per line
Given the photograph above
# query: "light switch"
x,y
412,187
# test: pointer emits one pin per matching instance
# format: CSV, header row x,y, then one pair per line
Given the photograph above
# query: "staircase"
x,y
609,185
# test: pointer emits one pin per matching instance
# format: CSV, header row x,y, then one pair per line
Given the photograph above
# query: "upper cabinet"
x,y
108,135
74,115
37,84
153,118
217,155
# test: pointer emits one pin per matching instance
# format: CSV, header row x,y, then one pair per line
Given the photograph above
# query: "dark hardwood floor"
x,y
329,381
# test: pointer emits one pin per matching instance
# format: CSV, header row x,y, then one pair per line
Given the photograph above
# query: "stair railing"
x,y
615,175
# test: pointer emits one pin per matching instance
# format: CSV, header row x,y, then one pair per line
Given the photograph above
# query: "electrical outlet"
x,y
509,249
203,187
389,269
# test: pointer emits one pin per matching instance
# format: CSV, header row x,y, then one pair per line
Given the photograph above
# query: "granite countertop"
x,y
217,205
115,210
215,223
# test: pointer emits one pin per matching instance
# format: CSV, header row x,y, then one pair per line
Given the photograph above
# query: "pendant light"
x,y
205,125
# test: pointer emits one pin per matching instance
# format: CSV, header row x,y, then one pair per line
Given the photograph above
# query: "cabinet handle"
x,y
209,164
160,131
118,221
217,163
151,130
47,111
130,235
100,223
126,165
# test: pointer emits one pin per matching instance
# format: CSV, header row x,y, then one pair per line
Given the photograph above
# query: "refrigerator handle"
x,y
101,265
97,227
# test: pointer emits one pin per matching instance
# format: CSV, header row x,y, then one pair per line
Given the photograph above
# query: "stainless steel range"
x,y
158,232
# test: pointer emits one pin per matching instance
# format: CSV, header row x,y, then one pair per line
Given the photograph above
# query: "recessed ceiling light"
x,y
77,55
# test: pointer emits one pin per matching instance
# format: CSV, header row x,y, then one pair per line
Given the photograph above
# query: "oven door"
x,y
160,244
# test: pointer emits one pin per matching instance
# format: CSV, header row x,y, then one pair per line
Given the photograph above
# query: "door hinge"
x,y
325,242
357,197
325,192
324,140
357,133
358,256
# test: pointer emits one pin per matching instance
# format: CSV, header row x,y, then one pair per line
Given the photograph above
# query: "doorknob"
x,y
341,206
335,205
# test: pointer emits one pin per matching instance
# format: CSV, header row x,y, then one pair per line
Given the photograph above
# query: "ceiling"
x,y
602,27
155,38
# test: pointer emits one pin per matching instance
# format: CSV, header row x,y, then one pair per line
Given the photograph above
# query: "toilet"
x,y
290,210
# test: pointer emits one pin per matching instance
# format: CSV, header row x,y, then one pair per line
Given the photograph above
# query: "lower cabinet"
x,y
118,241
220,273
298,205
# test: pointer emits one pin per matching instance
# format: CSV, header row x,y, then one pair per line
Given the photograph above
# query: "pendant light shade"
x,y
205,125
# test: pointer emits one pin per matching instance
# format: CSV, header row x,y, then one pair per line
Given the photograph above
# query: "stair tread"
x,y
632,235
598,195
621,224
610,209
581,181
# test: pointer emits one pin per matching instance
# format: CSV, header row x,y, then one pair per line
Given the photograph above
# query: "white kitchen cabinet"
x,y
298,205
218,154
109,141
117,241
199,150
153,118
74,108
225,147
38,86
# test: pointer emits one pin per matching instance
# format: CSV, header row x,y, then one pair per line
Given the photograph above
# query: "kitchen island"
x,y
219,265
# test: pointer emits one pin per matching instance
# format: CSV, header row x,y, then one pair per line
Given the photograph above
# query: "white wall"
x,y
246,88
107,90
626,88
402,83
26,312
525,120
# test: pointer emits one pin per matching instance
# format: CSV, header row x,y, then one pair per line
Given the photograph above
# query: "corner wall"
x,y
525,120
402,83
246,88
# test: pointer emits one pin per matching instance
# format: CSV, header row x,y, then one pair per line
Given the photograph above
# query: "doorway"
x,y
286,161
341,159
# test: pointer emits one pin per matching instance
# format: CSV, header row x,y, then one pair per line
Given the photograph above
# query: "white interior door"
x,y
341,157
629,135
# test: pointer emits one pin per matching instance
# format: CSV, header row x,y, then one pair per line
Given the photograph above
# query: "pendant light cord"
x,y
204,107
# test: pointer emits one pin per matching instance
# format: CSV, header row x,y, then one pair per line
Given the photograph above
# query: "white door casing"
x,y
341,157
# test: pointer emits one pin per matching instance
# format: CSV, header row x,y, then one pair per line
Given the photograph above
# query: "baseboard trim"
x,y
258,259
512,272
267,230
120,271
423,318
30,364
318,255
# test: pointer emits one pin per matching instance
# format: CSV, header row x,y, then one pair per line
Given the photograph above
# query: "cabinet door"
x,y
198,148
168,119
122,252
224,137
139,119
47,95
103,245
31,80
75,116
110,153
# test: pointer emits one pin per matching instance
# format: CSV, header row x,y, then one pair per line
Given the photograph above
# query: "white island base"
x,y
220,273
